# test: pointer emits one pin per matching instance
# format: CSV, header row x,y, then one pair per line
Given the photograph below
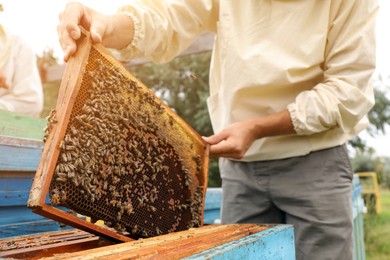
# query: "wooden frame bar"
x,y
67,96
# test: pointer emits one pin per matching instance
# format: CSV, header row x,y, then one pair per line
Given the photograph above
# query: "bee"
x,y
145,178
75,182
70,148
129,210
108,223
51,117
46,129
62,145
119,228
141,201
92,74
73,130
61,179
79,162
116,180
71,175
134,230
67,138
59,167
61,175
118,217
55,199
64,157
68,157
158,231
106,139
193,76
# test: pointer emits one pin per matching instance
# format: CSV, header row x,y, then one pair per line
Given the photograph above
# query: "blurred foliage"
x,y
379,115
367,161
386,172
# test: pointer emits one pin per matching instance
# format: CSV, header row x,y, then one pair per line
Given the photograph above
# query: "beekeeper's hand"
x,y
235,140
113,31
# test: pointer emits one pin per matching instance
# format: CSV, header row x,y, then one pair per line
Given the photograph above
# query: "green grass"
x,y
377,231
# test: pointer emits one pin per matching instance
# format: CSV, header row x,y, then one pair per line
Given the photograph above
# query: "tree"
x,y
379,115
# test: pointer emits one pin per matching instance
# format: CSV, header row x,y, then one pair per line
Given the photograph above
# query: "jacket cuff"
x,y
131,50
298,125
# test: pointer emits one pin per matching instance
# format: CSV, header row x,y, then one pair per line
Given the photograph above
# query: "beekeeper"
x,y
289,86
20,83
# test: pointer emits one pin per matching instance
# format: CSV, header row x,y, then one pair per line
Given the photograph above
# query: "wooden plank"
x,y
203,43
69,219
21,126
14,188
15,218
70,86
27,228
20,158
49,243
172,246
66,97
274,243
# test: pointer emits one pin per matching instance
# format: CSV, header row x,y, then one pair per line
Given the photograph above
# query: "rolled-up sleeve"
x,y
345,95
163,29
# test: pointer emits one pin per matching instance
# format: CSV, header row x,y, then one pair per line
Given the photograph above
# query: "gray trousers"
x,y
312,192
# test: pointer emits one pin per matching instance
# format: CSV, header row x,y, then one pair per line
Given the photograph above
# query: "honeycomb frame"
x,y
115,152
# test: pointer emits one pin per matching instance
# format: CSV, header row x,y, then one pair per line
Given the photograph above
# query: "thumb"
x,y
96,35
97,31
215,139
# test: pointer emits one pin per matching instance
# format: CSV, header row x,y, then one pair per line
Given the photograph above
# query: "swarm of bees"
x,y
117,161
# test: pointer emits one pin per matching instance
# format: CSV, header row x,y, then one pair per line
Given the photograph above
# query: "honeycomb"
x,y
126,158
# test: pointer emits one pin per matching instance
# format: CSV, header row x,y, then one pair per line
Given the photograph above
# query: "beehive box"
x,y
234,241
114,151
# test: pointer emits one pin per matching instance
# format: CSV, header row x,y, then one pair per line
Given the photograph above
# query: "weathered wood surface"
x,y
21,126
15,218
18,154
234,241
69,86
270,244
49,243
187,243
